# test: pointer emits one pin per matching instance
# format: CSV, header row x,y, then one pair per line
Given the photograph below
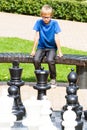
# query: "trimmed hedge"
x,y
63,9
70,10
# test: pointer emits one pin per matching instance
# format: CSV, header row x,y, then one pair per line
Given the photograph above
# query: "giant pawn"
x,y
69,119
13,93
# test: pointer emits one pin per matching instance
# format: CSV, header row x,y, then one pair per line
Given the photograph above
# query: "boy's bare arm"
x,y
58,45
36,38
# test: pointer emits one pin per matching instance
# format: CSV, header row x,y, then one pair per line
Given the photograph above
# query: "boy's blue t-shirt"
x,y
47,33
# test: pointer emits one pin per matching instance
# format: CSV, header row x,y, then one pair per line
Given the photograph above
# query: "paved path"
x,y
73,35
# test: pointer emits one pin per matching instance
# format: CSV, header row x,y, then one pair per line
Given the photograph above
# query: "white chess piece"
x,y
45,120
38,114
6,117
69,117
33,110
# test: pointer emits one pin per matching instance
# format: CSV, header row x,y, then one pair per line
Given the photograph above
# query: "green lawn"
x,y
25,46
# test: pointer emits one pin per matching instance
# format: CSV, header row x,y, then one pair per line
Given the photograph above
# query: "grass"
x,y
25,46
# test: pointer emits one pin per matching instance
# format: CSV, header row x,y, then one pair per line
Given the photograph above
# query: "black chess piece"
x,y
42,86
14,93
72,79
15,75
72,98
85,115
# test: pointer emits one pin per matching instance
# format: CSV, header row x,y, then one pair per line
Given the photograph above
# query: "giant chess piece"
x,y
7,118
45,120
38,114
42,86
72,98
85,114
15,74
69,119
13,92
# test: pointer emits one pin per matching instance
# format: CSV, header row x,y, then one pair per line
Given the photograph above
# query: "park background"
x,y
16,22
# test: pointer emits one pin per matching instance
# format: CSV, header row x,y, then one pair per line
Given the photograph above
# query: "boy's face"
x,y
46,18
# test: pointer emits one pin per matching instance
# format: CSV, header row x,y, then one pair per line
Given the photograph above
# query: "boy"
x,y
47,41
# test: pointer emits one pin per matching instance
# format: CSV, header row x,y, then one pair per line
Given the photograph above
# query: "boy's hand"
x,y
33,53
60,54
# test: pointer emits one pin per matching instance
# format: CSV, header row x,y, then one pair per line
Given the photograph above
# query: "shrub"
x,y
63,9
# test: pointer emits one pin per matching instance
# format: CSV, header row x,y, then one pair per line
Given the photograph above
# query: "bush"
x,y
70,10
63,9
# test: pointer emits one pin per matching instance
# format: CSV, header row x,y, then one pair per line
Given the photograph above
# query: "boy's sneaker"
x,y
53,83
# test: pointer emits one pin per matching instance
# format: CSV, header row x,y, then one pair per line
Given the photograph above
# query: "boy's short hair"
x,y
46,9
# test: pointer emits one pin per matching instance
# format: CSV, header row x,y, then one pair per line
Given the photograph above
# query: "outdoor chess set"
x,y
37,114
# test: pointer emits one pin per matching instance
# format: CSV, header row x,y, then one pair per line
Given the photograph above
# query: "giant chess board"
x,y
56,119
37,113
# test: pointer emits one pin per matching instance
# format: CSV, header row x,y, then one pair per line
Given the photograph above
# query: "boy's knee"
x,y
50,61
36,60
